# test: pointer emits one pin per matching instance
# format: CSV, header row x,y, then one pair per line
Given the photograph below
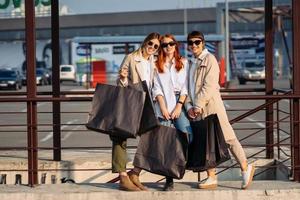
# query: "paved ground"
x,y
227,190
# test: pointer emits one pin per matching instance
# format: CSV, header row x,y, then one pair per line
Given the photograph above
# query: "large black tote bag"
x,y
208,148
162,151
149,120
116,111
122,112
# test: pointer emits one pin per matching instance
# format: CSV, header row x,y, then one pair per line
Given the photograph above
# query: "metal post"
x,y
296,88
292,139
269,76
278,128
126,48
185,26
55,79
227,38
31,93
220,29
90,66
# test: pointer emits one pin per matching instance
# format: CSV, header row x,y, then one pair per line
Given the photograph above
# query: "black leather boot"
x,y
169,185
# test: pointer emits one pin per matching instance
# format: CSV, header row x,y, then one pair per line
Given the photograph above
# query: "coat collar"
x,y
139,69
202,55
139,56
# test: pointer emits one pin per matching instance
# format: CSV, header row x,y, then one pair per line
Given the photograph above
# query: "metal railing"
x,y
284,143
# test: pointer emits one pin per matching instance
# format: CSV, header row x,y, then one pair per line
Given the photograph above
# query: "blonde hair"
x,y
149,37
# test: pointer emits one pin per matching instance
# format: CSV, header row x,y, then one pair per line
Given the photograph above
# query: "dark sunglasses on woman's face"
x,y
155,46
165,45
196,42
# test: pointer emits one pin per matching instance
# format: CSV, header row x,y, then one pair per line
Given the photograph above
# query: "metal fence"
x,y
281,125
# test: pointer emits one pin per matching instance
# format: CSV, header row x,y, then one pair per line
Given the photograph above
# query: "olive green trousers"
x,y
119,154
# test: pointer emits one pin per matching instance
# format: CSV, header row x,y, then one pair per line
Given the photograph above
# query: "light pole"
x,y
185,26
228,72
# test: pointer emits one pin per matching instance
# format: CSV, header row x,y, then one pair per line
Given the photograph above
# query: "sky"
x,y
111,6
108,6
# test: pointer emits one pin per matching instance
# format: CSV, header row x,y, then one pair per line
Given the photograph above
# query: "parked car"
x,y
41,77
67,73
48,72
10,78
252,70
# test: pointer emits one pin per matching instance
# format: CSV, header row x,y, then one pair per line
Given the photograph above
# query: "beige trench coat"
x,y
207,92
133,62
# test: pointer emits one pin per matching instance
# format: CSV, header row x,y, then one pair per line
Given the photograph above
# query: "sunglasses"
x,y
196,42
155,46
165,45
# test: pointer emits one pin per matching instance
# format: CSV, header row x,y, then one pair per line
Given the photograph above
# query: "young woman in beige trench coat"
x,y
136,67
205,99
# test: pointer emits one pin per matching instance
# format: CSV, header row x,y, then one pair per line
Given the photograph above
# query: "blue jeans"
x,y
182,123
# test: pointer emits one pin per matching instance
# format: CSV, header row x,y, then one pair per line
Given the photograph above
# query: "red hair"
x,y
161,59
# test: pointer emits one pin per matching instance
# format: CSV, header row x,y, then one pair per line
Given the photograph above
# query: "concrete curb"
x,y
263,190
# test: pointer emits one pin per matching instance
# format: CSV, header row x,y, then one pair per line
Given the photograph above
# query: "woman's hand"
x,y
163,108
191,113
123,73
198,111
176,112
165,113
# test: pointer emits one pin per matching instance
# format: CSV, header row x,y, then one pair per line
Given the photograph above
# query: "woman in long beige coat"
x,y
205,99
136,67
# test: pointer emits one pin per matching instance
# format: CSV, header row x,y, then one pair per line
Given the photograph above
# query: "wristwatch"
x,y
180,102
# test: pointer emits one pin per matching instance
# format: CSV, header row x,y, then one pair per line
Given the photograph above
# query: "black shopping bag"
x,y
149,120
116,111
162,151
122,112
208,148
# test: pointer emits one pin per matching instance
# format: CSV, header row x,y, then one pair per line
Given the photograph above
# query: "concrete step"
x,y
75,166
259,190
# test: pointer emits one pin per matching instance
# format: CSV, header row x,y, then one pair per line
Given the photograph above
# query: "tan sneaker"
x,y
209,183
127,185
248,176
135,180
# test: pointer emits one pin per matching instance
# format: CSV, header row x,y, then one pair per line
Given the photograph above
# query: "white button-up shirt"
x,y
195,62
168,83
146,71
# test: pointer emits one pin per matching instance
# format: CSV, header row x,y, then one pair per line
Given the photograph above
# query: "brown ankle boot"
x,y
127,185
135,180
